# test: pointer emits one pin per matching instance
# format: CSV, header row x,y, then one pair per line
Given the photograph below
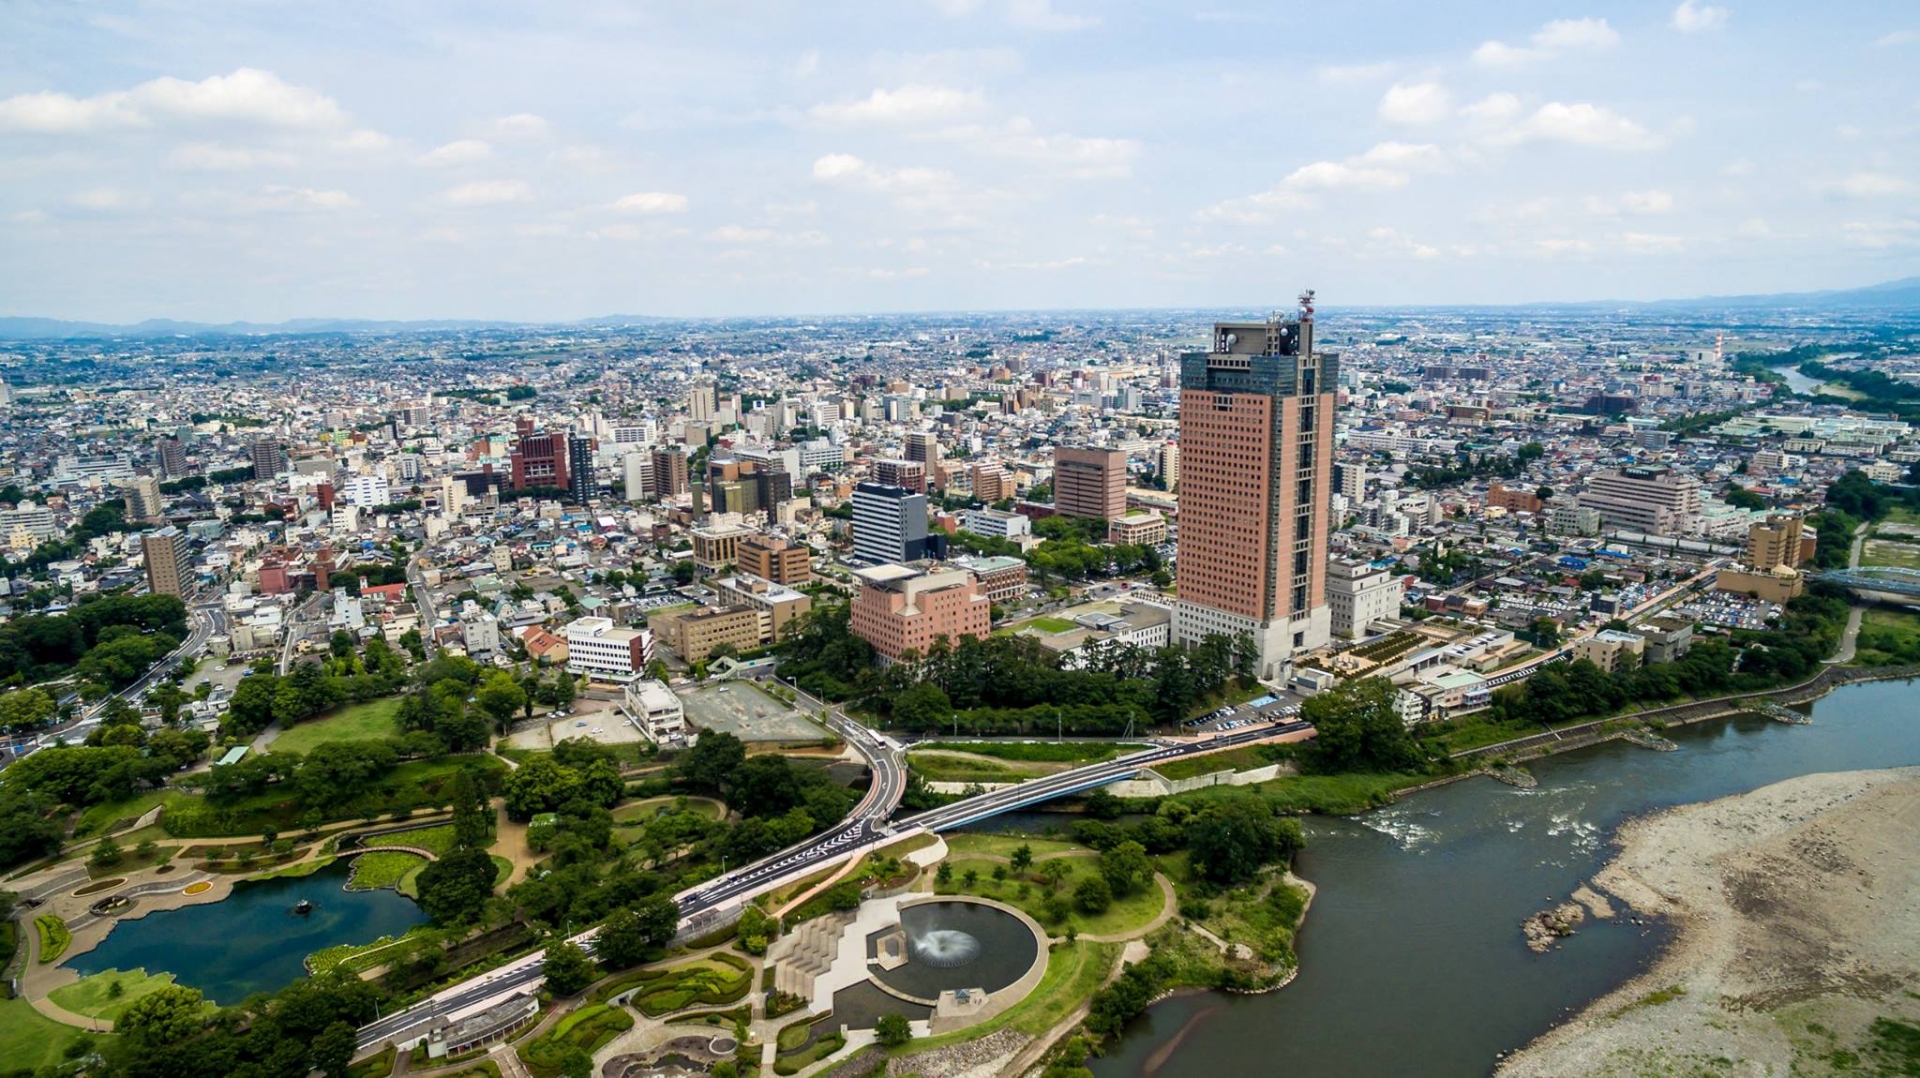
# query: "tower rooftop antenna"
x,y
1306,305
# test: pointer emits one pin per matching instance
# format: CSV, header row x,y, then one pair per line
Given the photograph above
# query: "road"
x,y
204,620
298,622
422,598
701,905
866,825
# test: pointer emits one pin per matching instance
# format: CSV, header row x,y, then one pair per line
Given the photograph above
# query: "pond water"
x,y
253,941
1411,960
953,945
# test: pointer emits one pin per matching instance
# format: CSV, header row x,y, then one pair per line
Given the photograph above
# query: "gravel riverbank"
x,y
1797,916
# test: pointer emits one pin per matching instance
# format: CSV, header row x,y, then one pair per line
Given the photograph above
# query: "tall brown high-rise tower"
x,y
1256,448
1089,482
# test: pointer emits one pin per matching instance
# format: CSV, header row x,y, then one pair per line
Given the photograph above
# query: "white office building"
x,y
598,648
655,710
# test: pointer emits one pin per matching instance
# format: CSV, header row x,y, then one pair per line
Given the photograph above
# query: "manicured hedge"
x,y
588,1028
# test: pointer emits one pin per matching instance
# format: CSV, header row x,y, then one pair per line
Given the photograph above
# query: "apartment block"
x,y
779,603
1089,482
772,558
169,562
1139,527
1774,543
900,609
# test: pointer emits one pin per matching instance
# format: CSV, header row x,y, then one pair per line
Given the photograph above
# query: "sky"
x,y
214,160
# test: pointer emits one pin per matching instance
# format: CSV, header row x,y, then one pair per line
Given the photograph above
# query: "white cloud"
x,y
487,193
107,200
847,169
741,235
1882,234
1653,243
1581,124
1393,243
1415,104
1040,15
520,125
1867,184
1637,203
1353,74
247,95
1386,167
651,202
1087,158
1691,17
1493,108
1755,226
1898,37
1556,248
1556,37
215,157
29,217
362,140
464,151
301,200
914,103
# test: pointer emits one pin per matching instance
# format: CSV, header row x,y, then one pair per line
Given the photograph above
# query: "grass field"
x,y
355,722
1074,973
1044,752
1127,914
1333,795
98,818
386,868
648,808
92,995
937,767
29,1040
1241,759
1888,636
975,844
1047,623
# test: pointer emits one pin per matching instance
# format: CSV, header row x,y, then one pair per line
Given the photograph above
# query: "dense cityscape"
x,y
959,539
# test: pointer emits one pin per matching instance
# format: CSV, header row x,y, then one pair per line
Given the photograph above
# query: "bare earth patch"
x,y
1797,909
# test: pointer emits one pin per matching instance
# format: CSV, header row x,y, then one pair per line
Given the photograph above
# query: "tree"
x,y
1229,842
622,941
168,1016
892,1030
576,1063
106,853
539,785
454,888
24,708
472,820
1021,859
1092,895
567,967
1359,729
709,766
943,875
1125,868
500,697
333,1050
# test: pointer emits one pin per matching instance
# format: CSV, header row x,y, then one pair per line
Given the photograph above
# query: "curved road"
x,y
866,825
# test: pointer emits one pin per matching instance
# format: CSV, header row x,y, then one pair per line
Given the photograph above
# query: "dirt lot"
x,y
1798,909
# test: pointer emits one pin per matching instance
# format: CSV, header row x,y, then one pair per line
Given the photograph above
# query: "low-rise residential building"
x,y
1003,579
655,710
596,647
1611,650
779,603
996,523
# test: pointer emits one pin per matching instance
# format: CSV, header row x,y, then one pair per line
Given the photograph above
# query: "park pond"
x,y
253,941
1412,961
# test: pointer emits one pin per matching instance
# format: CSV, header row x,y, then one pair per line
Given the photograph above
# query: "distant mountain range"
x,y
1903,294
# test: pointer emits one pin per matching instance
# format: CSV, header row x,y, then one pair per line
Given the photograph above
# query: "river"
x,y
1796,381
1411,960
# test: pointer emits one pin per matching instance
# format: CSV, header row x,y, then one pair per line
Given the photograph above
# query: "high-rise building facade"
x,y
1256,449
143,498
269,459
991,482
702,402
172,455
669,473
169,562
889,523
580,482
1089,482
1774,543
1170,465
923,448
639,476
540,460
1651,498
910,474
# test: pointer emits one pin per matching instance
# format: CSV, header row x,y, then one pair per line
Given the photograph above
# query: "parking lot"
x,y
1240,716
743,710
598,720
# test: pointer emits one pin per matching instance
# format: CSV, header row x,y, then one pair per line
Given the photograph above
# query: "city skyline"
x,y
573,162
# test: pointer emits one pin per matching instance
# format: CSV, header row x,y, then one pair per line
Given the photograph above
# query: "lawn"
x,y
91,995
29,1040
1043,752
651,807
1047,624
1333,795
102,817
413,786
385,868
1888,552
1127,914
1888,637
1241,759
979,844
1074,972
370,721
54,937
938,767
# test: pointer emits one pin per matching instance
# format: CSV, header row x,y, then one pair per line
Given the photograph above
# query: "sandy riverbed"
x,y
1797,908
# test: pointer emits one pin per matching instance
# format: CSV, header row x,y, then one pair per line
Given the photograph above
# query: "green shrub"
x,y
54,936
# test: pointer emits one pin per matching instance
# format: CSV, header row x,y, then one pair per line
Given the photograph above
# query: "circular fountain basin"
x,y
953,945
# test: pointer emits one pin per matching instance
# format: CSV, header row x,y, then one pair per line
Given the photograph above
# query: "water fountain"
x,y
943,948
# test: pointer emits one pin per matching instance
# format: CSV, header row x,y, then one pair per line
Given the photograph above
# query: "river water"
x,y
1411,960
1796,381
252,941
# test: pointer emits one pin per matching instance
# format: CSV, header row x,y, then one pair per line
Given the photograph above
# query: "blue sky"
x,y
214,160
